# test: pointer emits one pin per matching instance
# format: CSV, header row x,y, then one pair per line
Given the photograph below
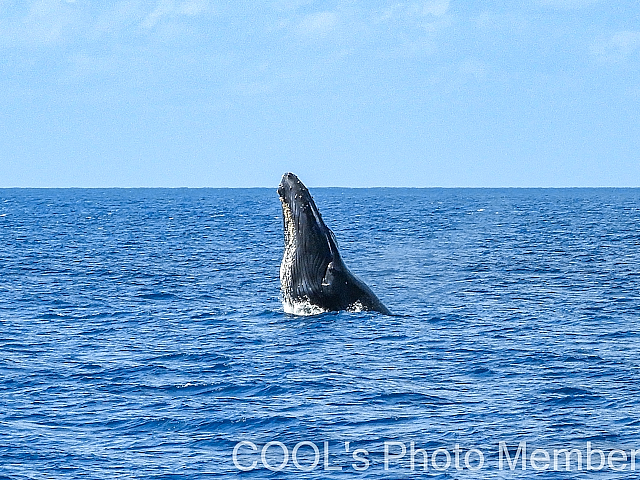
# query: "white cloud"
x,y
123,14
403,10
437,8
318,25
567,4
83,66
290,5
166,8
617,47
48,21
409,29
473,67
43,23
193,7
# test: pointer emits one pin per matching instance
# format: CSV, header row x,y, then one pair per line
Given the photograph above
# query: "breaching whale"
x,y
313,277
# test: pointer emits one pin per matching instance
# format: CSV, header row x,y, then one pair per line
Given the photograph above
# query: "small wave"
x,y
568,391
157,296
250,391
206,316
54,316
482,371
407,398
565,395
391,338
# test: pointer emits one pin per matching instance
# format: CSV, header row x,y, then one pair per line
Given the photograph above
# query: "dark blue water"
x,y
142,335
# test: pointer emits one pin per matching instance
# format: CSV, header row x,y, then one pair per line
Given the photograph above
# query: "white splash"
x,y
303,308
356,307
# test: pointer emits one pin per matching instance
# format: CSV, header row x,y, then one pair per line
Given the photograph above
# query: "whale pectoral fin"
x,y
329,275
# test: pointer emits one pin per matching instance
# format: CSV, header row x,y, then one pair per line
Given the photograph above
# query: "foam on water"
x,y
302,308
356,307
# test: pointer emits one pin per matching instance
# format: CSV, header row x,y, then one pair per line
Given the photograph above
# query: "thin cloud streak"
x,y
317,25
618,47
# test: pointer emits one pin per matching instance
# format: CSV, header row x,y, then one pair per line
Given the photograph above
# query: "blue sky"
x,y
346,93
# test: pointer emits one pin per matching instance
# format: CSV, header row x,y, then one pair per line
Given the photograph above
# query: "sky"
x,y
357,93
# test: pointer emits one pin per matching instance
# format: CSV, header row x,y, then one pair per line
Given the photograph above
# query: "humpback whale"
x,y
313,277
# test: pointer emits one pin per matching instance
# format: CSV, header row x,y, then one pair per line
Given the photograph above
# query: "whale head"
x,y
303,224
312,272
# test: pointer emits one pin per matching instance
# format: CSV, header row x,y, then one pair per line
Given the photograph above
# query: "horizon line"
x,y
315,186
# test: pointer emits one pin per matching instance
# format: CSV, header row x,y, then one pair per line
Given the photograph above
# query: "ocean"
x,y
142,336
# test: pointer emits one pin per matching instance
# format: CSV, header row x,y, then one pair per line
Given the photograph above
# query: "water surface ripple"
x,y
142,335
